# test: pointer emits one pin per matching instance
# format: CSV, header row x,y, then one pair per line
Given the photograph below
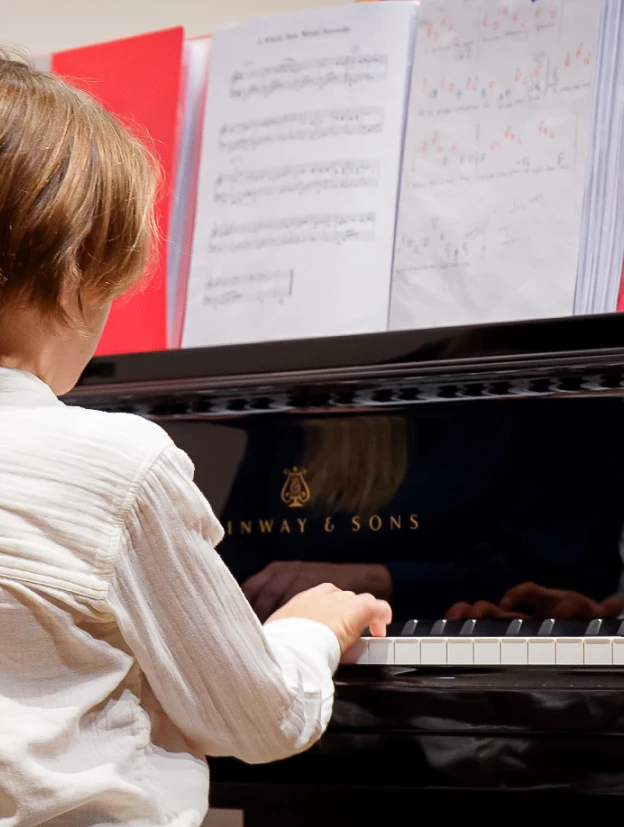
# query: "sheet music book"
x,y
495,161
295,219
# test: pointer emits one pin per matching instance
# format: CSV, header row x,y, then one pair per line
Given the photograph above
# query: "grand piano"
x,y
475,478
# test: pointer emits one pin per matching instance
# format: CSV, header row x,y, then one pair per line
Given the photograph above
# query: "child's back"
x,y
107,576
128,652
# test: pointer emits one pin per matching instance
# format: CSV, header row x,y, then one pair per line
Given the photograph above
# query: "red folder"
x,y
138,79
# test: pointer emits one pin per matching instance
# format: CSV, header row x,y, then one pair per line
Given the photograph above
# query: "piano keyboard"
x,y
495,642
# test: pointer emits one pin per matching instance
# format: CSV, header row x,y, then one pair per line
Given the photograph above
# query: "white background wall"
x,y
51,25
44,26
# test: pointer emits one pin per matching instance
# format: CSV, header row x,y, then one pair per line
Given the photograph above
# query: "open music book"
x,y
400,165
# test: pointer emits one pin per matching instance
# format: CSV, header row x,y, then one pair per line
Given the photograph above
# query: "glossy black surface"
x,y
400,739
457,503
559,339
318,473
502,494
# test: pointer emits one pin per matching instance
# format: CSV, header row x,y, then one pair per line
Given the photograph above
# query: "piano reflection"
x,y
434,508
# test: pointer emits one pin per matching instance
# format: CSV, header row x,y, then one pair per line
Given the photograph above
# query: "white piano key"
x,y
433,651
542,651
569,652
456,651
407,651
358,653
381,651
487,651
618,651
514,651
598,651
460,651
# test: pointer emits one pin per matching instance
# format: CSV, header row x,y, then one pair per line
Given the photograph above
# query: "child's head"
x,y
76,221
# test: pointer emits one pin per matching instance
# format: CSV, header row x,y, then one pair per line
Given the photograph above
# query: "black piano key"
x,y
524,627
569,628
467,628
446,628
408,629
417,628
485,627
546,629
605,627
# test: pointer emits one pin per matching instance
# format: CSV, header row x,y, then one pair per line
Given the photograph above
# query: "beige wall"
x,y
50,25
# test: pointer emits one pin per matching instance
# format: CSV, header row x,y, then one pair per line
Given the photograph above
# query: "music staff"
x,y
300,126
293,76
255,287
281,232
241,187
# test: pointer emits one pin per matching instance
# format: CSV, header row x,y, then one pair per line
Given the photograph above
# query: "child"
x,y
128,652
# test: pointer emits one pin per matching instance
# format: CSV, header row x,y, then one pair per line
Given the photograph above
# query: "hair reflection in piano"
x,y
449,510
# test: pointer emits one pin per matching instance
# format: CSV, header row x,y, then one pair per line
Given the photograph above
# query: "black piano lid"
x,y
589,341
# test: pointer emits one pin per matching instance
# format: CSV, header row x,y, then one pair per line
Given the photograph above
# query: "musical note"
x,y
293,76
492,149
442,31
440,246
281,232
276,285
248,187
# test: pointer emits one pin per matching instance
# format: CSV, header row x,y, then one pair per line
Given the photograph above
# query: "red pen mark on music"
x,y
547,132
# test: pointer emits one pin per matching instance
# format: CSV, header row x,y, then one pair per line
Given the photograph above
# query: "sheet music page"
x,y
296,210
495,158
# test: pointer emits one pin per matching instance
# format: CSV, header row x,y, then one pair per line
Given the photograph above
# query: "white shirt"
x,y
127,650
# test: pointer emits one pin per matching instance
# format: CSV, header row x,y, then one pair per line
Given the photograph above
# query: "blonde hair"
x,y
355,464
76,196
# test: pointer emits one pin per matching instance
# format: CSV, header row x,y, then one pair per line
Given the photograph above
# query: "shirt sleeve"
x,y
230,685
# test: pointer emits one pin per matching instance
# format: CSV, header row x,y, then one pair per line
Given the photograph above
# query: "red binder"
x,y
138,79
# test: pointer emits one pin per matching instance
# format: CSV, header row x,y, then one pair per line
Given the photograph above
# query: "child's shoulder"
x,y
116,433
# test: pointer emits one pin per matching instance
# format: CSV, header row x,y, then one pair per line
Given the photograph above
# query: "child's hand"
x,y
347,614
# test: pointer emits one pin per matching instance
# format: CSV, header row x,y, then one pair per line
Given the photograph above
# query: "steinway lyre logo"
x,y
295,491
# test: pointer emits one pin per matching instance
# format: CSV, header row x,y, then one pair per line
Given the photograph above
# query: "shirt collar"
x,y
18,387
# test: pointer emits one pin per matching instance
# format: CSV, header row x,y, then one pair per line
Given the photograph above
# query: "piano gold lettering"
x,y
354,523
